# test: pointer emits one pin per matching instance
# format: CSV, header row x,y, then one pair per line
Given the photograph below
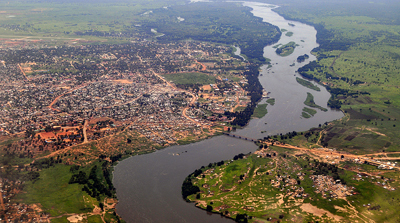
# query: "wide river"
x,y
149,186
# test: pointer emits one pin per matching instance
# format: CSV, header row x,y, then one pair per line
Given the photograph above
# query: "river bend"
x,y
149,186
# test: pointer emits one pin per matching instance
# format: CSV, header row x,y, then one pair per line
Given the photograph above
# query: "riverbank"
x,y
158,176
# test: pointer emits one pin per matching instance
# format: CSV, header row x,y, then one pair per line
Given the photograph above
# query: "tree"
x,y
209,208
241,218
48,128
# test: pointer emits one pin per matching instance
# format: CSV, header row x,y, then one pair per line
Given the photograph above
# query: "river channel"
x,y
149,186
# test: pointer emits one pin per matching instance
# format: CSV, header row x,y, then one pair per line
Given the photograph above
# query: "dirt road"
x,y
84,132
332,153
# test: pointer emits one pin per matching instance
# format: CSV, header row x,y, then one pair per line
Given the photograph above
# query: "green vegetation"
x,y
250,185
308,112
307,84
305,115
302,58
190,78
276,46
260,111
55,195
271,101
227,23
289,34
286,50
95,219
310,102
63,21
187,140
358,58
366,131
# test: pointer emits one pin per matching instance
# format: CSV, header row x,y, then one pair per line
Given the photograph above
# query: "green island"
x,y
310,102
271,101
302,58
308,112
307,84
289,34
260,111
276,46
286,50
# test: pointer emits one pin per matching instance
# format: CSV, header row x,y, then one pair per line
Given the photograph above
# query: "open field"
x,y
54,193
190,78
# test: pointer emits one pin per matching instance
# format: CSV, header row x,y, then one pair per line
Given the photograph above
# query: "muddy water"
x,y
149,186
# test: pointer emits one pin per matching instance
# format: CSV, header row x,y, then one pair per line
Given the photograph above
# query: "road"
x,y
84,132
58,97
22,71
332,153
2,202
194,98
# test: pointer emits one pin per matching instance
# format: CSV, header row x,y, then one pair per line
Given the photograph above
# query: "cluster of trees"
x,y
327,169
254,88
302,58
239,156
98,182
187,187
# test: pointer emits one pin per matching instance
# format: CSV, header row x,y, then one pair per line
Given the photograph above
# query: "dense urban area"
x,y
57,98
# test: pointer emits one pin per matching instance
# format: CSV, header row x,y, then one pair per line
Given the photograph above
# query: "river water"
x,y
149,186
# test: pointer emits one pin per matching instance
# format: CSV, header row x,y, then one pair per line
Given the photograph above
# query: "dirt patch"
x,y
123,81
309,208
36,208
206,87
378,133
75,218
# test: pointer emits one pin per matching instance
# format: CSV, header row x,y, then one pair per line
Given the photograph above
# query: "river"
x,y
149,186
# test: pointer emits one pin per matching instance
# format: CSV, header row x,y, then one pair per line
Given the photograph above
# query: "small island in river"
x,y
287,49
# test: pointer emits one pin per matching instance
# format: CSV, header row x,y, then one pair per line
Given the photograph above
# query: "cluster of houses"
x,y
14,212
330,188
68,85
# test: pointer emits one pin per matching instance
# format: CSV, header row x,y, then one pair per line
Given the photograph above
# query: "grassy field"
x,y
55,195
307,84
55,19
260,111
190,78
246,186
